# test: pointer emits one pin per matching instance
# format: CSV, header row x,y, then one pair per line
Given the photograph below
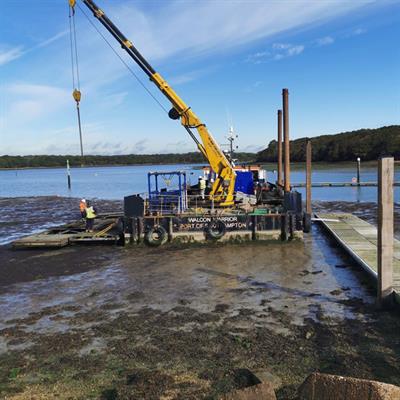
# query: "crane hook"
x,y
76,94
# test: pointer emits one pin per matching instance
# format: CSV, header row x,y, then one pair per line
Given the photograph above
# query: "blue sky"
x,y
228,59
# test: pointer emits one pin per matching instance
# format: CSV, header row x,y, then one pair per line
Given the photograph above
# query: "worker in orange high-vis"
x,y
82,208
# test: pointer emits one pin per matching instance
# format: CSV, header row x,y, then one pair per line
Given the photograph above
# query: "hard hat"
x,y
83,201
200,177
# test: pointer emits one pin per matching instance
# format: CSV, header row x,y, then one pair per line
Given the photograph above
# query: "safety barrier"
x,y
170,203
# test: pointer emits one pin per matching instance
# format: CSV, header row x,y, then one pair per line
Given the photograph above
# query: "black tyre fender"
x,y
306,223
156,236
215,229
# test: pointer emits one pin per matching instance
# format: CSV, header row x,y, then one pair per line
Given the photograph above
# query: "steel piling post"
x,y
308,177
279,178
285,97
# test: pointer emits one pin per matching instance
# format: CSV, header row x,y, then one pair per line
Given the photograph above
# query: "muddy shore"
x,y
186,322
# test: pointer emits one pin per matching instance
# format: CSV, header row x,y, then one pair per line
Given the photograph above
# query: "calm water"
x,y
95,182
117,182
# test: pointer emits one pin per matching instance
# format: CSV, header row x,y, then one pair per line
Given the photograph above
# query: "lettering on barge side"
x,y
200,223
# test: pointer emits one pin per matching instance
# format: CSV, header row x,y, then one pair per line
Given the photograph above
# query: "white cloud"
x,y
359,31
289,51
65,140
29,101
281,46
218,26
50,40
114,99
353,32
189,76
7,56
254,86
258,58
324,41
182,79
139,147
180,146
170,32
278,52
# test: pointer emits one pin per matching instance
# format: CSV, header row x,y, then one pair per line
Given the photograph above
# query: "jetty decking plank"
x,y
359,239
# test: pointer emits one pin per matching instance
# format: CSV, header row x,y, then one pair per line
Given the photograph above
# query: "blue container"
x,y
244,182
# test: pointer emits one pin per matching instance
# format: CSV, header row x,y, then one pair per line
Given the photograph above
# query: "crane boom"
x,y
223,187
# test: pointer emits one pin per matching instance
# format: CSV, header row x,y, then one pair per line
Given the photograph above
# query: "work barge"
x,y
176,212
231,202
170,216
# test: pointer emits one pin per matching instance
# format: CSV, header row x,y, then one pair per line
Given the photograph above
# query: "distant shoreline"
x,y
60,161
295,165
96,166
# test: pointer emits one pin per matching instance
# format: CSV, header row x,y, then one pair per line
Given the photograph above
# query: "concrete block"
x,y
265,375
333,387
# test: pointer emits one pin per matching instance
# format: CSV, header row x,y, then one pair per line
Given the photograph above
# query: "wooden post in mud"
x,y
140,229
385,232
254,227
68,175
285,98
279,177
134,230
170,229
308,177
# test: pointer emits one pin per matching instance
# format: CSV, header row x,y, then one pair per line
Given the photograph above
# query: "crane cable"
x,y
121,59
76,86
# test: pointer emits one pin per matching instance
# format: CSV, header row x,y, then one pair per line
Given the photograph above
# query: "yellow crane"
x,y
222,191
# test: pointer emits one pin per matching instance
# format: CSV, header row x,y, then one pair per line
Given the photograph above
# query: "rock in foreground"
x,y
333,387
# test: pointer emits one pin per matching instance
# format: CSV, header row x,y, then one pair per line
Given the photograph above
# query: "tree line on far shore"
x,y
368,144
42,161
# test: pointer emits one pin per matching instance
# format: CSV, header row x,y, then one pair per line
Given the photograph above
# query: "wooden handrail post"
x,y
385,232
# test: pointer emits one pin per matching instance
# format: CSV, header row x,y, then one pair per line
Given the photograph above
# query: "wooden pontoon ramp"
x,y
359,239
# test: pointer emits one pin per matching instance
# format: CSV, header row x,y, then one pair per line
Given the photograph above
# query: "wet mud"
x,y
187,322
21,216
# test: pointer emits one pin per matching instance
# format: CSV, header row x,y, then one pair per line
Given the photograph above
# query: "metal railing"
x,y
161,204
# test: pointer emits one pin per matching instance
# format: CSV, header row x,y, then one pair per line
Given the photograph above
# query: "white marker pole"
x,y
68,175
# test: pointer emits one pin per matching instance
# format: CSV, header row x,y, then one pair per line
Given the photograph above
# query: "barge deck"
x,y
73,233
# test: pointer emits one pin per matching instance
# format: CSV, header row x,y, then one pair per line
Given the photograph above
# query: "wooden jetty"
x,y
359,239
339,184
